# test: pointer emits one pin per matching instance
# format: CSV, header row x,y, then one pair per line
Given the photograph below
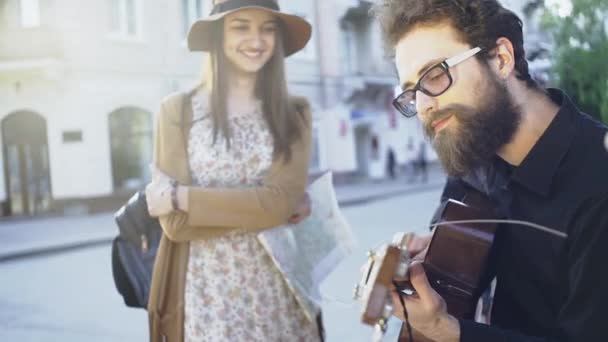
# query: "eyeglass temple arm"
x,y
463,56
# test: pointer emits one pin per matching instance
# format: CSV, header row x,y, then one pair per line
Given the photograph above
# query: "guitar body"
x,y
457,257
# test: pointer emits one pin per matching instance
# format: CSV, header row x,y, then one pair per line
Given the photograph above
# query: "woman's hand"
x,y
158,193
303,210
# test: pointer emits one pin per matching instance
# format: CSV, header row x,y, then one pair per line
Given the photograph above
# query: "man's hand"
x,y
303,210
426,309
417,245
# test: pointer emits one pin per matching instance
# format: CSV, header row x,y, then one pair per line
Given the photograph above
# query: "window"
x,y
125,18
26,163
30,13
349,49
193,10
131,145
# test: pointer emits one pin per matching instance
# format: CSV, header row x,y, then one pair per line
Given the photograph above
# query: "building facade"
x,y
80,86
360,125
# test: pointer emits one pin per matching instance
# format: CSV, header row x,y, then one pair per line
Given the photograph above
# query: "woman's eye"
x,y
270,29
240,28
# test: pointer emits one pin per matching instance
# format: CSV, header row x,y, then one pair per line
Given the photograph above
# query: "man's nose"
x,y
424,104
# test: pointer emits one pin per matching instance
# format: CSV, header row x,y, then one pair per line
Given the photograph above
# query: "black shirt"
x,y
549,288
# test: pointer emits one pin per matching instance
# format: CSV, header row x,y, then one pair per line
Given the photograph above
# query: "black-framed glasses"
x,y
434,82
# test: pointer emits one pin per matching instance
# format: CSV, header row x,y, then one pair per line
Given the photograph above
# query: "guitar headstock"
x,y
373,290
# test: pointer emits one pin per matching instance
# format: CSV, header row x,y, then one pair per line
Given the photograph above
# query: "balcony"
x,y
363,52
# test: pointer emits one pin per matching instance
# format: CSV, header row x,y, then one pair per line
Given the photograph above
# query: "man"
x,y
462,68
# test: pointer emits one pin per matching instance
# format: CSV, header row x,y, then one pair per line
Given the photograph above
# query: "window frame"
x,y
122,32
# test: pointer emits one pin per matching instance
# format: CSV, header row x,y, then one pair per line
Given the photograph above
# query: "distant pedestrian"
x,y
391,163
422,162
410,157
420,165
375,148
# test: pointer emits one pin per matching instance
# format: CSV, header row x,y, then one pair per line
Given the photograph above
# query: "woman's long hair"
x,y
280,114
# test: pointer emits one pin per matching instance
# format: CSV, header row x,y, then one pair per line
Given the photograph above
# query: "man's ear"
x,y
503,62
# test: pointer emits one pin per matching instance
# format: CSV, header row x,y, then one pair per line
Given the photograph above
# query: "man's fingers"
x,y
418,244
420,282
397,307
408,238
419,256
412,303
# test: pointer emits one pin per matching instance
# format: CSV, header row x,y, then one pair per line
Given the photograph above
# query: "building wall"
x,y
81,169
358,64
100,73
80,72
93,72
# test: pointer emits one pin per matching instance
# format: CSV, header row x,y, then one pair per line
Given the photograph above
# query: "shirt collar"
x,y
539,167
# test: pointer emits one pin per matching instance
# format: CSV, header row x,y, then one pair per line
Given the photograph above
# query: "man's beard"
x,y
477,133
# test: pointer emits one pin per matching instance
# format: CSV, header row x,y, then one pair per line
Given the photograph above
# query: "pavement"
x,y
31,237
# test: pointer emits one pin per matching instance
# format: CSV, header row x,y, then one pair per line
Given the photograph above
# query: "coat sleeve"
x,y
255,208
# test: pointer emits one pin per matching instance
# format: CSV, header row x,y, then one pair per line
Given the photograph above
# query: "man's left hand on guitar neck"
x,y
427,311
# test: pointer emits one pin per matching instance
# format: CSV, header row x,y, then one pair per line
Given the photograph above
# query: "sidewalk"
x,y
40,236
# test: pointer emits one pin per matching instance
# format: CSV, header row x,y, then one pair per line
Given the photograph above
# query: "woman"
x,y
238,166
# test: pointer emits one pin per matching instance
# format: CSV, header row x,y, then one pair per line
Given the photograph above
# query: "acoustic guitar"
x,y
455,263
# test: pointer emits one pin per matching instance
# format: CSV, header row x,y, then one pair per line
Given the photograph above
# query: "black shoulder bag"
x,y
134,249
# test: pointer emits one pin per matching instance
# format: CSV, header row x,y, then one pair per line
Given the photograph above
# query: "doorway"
x,y
26,164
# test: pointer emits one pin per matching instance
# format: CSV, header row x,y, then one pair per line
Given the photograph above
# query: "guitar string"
x,y
406,316
514,222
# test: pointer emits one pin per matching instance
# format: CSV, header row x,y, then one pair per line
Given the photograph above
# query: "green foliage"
x,y
581,53
604,109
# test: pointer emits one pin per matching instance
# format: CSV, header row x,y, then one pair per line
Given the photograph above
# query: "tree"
x,y
580,33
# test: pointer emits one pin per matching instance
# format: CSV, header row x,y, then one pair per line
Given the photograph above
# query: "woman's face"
x,y
249,39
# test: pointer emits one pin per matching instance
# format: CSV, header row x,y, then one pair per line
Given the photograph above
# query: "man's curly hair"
x,y
478,23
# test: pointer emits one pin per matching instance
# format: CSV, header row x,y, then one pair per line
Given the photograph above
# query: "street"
x,y
71,296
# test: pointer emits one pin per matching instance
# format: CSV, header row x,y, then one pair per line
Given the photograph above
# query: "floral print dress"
x,y
233,290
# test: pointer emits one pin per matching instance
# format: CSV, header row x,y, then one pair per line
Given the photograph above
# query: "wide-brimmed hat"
x,y
297,30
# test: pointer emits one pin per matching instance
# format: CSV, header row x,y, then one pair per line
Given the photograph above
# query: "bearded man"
x,y
463,72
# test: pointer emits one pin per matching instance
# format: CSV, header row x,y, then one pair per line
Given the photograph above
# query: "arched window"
x,y
131,145
26,163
